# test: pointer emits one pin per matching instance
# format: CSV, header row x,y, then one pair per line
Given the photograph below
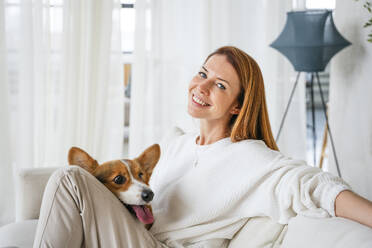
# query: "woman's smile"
x,y
213,91
199,102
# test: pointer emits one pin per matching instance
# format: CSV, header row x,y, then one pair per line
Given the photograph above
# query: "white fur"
x,y
133,195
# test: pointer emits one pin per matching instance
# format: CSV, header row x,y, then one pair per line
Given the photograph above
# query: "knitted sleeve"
x,y
298,188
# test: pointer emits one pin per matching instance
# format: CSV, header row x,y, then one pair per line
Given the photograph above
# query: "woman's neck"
x,y
209,135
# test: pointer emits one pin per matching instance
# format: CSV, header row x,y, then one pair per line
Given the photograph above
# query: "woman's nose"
x,y
205,86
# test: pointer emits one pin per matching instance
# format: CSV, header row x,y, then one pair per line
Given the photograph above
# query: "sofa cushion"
x,y
334,232
19,234
259,232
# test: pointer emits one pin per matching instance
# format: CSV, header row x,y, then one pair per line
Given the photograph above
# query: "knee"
x,y
67,172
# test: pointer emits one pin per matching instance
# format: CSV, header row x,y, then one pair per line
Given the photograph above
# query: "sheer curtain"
x,y
64,79
172,40
6,171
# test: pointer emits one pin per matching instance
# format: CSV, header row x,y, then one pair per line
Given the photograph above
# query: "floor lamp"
x,y
309,40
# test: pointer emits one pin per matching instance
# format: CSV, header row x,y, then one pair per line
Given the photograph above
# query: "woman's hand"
x,y
354,207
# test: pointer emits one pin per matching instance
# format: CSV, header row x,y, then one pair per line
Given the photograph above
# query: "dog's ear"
x,y
149,158
77,156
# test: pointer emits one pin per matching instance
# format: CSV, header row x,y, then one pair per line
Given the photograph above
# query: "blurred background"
x,y
111,77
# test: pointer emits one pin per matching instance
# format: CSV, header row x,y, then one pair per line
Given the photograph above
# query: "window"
x,y
320,121
320,4
52,17
127,26
127,44
52,12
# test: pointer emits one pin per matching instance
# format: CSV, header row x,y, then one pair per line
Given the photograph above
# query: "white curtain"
x,y
64,75
6,206
172,40
169,48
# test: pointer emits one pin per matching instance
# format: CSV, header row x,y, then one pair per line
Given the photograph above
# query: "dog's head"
x,y
127,179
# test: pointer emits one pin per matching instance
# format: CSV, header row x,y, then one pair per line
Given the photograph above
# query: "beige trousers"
x,y
78,211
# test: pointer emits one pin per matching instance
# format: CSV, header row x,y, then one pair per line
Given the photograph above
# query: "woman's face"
x,y
214,90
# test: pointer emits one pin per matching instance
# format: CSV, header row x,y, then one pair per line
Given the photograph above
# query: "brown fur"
x,y
107,171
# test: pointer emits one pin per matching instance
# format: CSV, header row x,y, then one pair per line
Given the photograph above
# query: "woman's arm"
x,y
354,207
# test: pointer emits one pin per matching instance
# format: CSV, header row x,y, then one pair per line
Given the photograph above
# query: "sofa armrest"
x,y
335,232
30,184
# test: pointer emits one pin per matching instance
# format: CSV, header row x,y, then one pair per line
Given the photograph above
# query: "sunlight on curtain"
x,y
64,74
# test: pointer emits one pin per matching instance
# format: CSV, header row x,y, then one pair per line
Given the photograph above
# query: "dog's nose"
x,y
147,195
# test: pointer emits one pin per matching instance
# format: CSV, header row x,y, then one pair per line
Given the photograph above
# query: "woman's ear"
x,y
235,110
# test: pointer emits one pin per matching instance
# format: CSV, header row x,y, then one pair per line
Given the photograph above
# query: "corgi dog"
x,y
127,179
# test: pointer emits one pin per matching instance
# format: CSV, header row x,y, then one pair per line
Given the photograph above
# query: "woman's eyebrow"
x,y
217,77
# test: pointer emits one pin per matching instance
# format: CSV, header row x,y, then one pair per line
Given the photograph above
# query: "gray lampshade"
x,y
309,39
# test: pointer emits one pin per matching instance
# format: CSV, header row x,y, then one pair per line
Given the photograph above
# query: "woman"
x,y
208,184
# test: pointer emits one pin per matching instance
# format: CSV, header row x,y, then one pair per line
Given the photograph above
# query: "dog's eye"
x,y
119,179
140,175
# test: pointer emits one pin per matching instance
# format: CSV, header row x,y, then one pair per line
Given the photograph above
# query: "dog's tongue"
x,y
143,214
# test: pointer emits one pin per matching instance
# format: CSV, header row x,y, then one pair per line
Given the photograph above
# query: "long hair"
x,y
252,122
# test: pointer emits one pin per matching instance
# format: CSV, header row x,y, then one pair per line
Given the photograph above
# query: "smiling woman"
x,y
212,98
228,93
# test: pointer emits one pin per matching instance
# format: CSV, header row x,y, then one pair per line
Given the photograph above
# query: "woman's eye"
x,y
140,175
221,86
202,74
119,179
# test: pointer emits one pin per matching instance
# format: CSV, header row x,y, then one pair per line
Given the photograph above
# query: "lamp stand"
x,y
313,74
286,109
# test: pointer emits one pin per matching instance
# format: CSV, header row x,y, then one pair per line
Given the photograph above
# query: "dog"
x,y
127,179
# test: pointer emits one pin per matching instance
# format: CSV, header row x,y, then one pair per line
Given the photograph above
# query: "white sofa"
x,y
258,232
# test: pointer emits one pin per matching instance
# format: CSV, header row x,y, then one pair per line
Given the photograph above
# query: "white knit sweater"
x,y
205,194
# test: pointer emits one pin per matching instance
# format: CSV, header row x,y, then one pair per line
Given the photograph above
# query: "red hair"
x,y
252,122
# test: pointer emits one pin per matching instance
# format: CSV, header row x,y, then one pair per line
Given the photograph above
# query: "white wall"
x,y
351,99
